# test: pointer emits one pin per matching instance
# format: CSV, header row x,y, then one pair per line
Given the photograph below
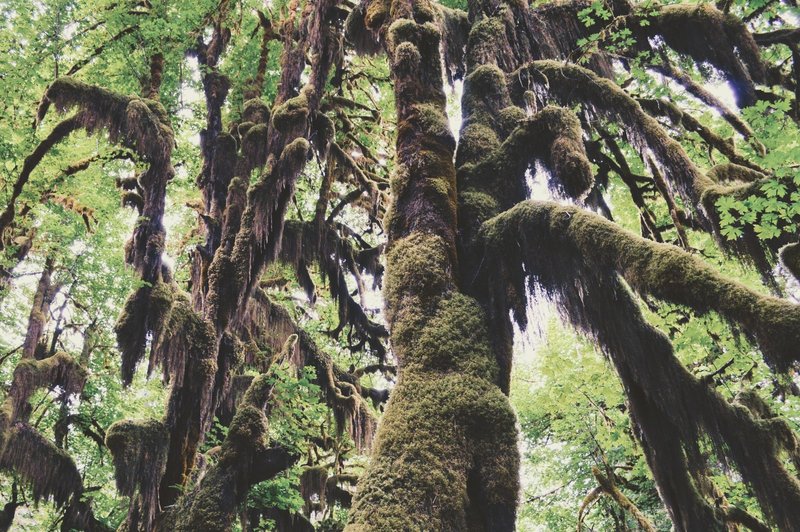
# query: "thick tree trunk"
x,y
445,456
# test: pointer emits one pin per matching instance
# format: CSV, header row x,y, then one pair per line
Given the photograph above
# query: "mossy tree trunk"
x,y
445,456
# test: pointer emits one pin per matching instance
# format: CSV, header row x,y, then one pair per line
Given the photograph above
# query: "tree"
x,y
296,183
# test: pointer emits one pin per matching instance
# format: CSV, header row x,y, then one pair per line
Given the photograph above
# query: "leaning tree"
x,y
572,94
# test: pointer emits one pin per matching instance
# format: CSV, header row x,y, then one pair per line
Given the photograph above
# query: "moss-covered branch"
x,y
243,460
61,131
265,325
660,270
577,258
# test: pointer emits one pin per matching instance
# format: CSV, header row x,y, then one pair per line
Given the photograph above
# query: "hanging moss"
x,y
358,34
573,84
709,35
554,135
668,273
313,483
30,375
50,472
139,449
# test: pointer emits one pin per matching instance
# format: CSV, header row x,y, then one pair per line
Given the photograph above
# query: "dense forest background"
x,y
218,263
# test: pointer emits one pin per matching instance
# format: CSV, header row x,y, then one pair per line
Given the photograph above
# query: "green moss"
x,y
255,111
432,436
139,449
419,266
258,392
254,145
424,11
407,57
293,113
399,180
376,14
248,425
454,338
30,375
434,123
296,152
485,81
484,40
476,143
510,117
243,128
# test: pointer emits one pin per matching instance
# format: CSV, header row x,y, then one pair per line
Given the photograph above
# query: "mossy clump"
x,y
376,13
475,207
293,113
254,146
434,124
484,88
256,111
510,117
484,41
407,57
732,174
454,338
241,129
477,142
295,153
